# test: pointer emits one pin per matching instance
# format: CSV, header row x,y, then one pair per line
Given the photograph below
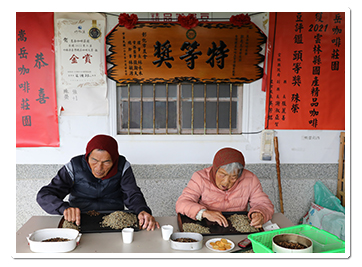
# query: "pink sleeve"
x,y
259,201
188,203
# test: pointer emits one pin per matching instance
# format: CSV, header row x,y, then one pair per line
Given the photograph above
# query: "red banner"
x,y
306,71
36,102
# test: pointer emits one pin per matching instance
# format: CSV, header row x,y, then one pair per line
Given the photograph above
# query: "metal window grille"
x,y
179,109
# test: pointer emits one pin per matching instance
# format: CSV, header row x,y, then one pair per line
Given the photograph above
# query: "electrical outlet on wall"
x,y
266,148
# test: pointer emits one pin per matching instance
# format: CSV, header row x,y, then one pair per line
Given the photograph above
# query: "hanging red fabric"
x,y
306,71
36,102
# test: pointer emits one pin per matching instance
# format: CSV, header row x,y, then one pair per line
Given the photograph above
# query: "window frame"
x,y
178,130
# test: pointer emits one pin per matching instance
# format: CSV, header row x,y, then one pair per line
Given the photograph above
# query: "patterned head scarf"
x,y
223,157
109,144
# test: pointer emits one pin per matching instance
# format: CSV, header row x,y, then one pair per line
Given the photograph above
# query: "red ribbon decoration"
x,y
240,20
128,21
190,21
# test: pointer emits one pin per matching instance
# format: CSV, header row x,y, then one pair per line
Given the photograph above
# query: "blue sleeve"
x,y
134,199
50,197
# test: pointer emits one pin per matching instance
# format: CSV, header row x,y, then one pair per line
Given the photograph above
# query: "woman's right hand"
x,y
72,215
215,216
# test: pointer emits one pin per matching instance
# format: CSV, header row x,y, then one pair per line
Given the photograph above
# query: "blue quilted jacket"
x,y
89,193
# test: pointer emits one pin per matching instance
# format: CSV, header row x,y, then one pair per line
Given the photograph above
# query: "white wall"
x,y
76,131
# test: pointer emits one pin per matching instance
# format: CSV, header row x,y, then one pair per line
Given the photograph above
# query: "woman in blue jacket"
x,y
101,180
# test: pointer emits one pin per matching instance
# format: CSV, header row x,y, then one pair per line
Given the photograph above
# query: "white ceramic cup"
x,y
127,235
167,231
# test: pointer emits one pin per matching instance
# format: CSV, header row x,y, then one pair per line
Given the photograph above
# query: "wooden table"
x,y
143,241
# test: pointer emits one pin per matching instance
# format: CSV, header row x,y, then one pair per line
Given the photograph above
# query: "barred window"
x,y
179,108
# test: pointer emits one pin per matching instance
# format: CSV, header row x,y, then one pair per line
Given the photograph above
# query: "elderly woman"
x,y
100,180
225,186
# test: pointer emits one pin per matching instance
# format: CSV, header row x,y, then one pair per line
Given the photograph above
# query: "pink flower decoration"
x,y
128,21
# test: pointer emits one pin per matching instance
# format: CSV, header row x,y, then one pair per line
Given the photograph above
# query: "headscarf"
x,y
109,144
223,157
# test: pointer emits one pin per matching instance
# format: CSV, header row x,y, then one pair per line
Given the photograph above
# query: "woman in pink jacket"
x,y
225,186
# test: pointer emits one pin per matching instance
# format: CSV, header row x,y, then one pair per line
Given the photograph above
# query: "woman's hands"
x,y
72,215
147,221
215,216
257,219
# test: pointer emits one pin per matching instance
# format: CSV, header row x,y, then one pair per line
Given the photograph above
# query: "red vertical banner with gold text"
x,y
36,103
306,71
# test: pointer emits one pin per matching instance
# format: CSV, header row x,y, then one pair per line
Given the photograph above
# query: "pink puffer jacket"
x,y
201,193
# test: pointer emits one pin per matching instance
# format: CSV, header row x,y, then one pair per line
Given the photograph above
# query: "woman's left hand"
x,y
257,220
147,221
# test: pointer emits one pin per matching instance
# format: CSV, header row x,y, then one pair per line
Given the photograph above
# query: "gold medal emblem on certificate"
x,y
94,32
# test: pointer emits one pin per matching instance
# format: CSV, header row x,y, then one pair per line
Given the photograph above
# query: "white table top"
x,y
143,241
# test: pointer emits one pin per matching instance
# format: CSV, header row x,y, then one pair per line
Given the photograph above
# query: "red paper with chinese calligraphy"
x,y
306,71
170,53
36,103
